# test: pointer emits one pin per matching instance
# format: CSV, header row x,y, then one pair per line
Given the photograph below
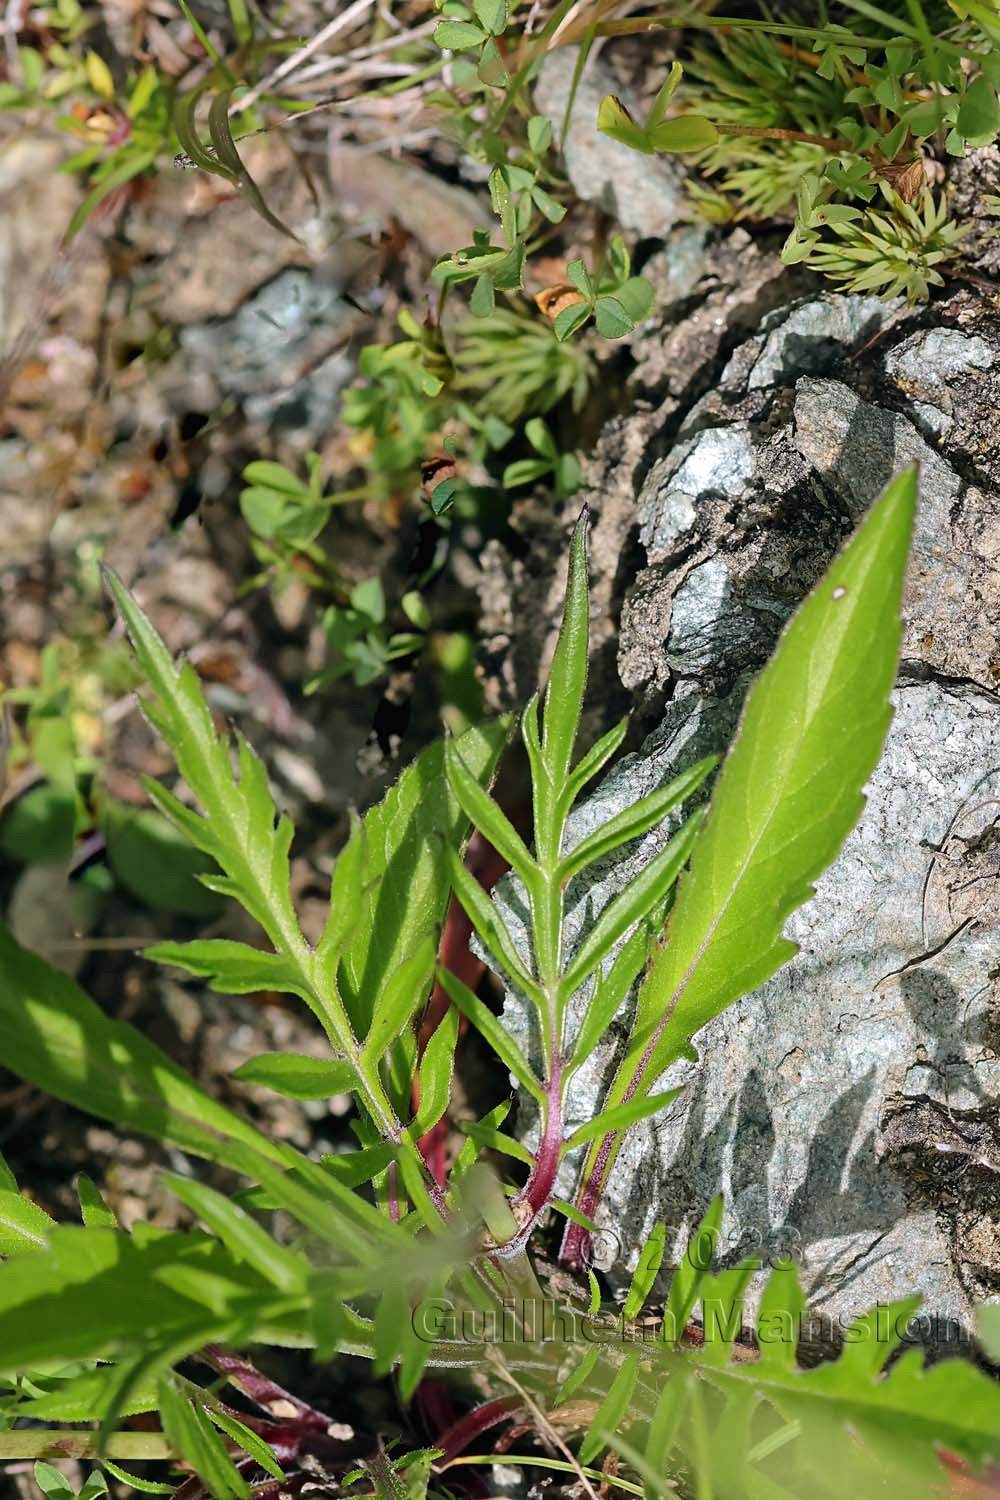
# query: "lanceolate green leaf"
x,y
248,1440
23,1225
646,891
48,1300
645,1273
636,820
242,1235
488,817
482,914
435,1074
241,829
596,757
403,883
231,968
297,1076
227,154
612,1411
609,993
7,1179
58,1039
402,996
394,891
790,790
193,1436
620,1117
84,1398
568,675
487,1024
685,1284
787,796
93,1210
495,1140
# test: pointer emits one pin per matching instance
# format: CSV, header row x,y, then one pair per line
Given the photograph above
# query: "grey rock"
x,y
676,270
927,368
642,193
272,352
933,422
973,180
953,595
890,1006
800,341
719,459
932,358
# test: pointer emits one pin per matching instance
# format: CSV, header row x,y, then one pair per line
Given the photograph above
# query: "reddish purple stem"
x,y
456,1438
540,1186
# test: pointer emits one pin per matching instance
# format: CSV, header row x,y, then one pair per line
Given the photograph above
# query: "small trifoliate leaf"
x,y
613,322
482,303
99,75
658,108
458,36
503,203
614,120
979,111
685,133
415,609
570,319
491,14
581,278
553,211
524,471
636,296
539,133
491,68
368,598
